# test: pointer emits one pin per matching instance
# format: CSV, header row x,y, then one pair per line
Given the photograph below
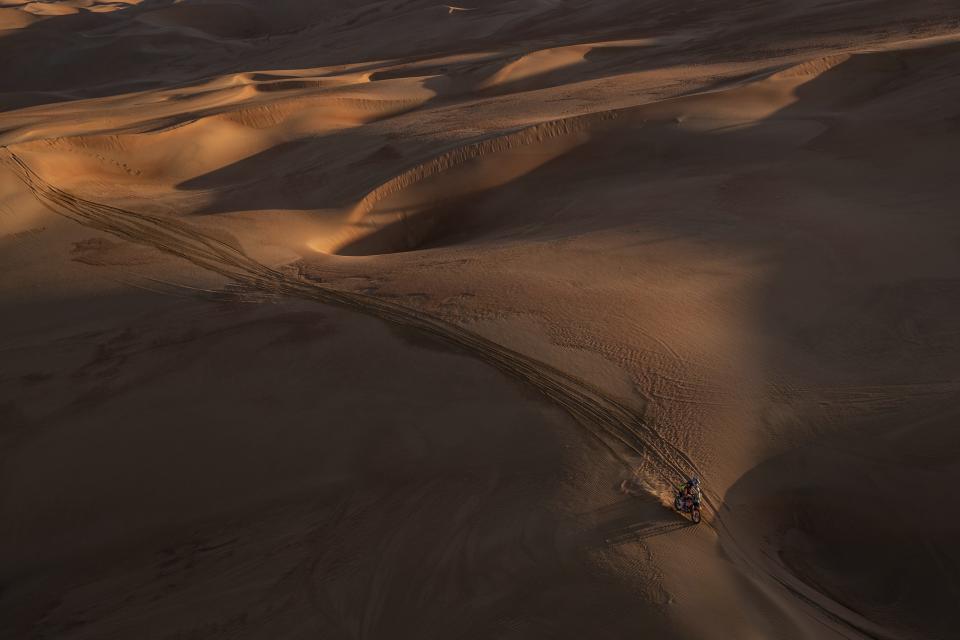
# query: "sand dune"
x,y
223,20
769,106
352,320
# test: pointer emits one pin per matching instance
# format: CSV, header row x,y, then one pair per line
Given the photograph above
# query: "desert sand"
x,y
350,320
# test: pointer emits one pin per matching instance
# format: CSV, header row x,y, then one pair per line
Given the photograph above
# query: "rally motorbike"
x,y
687,504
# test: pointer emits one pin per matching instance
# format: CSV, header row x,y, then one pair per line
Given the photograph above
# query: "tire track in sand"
x,y
611,422
608,420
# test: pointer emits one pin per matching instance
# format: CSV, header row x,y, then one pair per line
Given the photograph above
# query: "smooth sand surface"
x,y
350,320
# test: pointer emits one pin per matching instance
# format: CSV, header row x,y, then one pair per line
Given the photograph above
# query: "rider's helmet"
x,y
695,482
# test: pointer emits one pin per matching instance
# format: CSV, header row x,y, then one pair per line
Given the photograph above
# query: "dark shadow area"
x,y
860,517
89,54
295,490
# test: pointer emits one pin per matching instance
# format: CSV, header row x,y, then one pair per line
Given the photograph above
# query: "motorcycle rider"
x,y
690,490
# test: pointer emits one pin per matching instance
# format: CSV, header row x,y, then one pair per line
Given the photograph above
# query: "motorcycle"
x,y
686,504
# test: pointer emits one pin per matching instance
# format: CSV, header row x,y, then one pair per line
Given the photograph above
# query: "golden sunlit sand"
x,y
404,319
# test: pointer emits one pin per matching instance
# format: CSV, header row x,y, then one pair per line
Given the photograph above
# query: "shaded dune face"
x,y
344,516
723,134
848,517
349,320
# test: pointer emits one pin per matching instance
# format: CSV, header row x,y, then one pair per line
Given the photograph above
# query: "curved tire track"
x,y
611,422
